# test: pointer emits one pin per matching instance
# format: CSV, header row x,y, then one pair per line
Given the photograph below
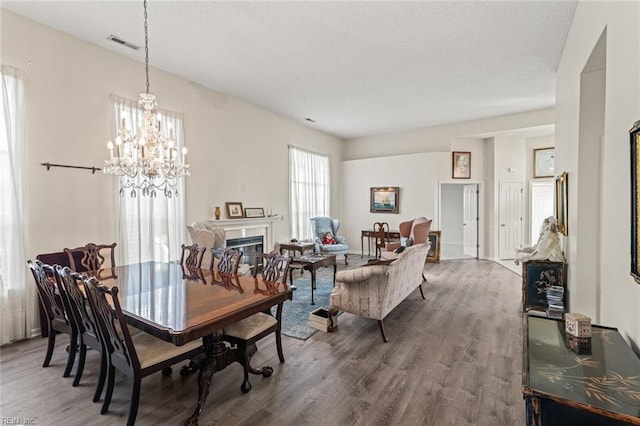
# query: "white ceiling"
x,y
356,68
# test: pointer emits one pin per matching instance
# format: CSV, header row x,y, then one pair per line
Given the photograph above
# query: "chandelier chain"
x,y
146,45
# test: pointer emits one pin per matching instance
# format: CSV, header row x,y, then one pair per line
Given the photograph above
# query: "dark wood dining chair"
x,y
93,257
192,256
136,356
57,319
247,332
76,306
381,230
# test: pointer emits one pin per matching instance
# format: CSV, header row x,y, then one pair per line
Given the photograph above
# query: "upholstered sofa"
x,y
374,290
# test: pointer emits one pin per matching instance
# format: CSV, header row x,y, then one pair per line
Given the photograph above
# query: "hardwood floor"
x,y
453,359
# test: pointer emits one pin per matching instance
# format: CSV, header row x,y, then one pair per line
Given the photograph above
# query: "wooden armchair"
x,y
381,230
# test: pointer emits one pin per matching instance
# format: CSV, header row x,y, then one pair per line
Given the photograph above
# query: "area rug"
x,y
295,313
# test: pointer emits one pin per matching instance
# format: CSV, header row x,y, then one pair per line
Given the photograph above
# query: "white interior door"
x,y
470,232
542,193
510,218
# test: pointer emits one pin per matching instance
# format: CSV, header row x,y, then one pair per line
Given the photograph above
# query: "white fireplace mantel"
x,y
249,227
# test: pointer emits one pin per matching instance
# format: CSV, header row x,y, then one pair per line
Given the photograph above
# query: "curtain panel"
x,y
309,190
18,297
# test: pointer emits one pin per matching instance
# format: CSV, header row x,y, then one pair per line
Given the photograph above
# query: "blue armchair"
x,y
323,226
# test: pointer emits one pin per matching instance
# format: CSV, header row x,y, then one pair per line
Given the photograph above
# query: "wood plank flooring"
x,y
453,359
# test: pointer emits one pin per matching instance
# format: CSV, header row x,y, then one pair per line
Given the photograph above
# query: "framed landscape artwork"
x,y
635,201
434,251
461,165
234,210
544,162
562,186
385,200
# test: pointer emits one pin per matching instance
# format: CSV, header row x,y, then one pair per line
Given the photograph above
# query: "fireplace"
x,y
249,246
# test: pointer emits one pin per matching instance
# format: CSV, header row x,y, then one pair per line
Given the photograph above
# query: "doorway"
x,y
510,218
459,218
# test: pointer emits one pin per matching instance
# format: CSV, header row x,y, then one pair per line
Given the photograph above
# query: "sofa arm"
x,y
361,274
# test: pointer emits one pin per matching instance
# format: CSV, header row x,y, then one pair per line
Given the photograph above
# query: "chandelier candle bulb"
x,y
110,146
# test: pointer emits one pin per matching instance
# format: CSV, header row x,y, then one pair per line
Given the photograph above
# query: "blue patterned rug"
x,y
295,313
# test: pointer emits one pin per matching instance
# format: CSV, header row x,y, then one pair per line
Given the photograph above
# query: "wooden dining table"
x,y
179,305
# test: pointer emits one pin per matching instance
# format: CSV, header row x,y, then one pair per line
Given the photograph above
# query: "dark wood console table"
x,y
371,234
311,263
562,387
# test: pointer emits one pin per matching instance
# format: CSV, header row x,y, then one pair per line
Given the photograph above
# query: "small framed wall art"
x,y
253,212
385,199
543,162
461,165
234,210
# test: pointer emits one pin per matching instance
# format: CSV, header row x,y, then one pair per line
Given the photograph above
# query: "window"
x,y
309,189
149,228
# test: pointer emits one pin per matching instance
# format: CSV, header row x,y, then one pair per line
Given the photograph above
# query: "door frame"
x,y
480,245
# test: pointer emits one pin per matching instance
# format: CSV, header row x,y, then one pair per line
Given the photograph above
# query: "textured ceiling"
x,y
356,68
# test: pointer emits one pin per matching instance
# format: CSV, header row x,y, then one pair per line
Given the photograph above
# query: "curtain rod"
x,y
49,165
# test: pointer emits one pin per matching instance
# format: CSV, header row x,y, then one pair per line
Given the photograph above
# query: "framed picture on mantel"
x,y
234,210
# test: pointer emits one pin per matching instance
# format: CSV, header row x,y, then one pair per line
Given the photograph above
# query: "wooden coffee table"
x,y
300,246
311,263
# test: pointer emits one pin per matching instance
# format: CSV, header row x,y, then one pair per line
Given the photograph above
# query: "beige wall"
x,y
237,151
612,297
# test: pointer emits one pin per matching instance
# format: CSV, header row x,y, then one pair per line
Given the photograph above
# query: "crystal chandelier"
x,y
147,160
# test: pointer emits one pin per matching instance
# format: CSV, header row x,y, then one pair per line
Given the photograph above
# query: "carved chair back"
x,y
93,256
228,260
274,266
116,339
192,256
44,277
381,230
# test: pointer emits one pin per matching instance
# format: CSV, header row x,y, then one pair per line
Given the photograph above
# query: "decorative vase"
x,y
217,213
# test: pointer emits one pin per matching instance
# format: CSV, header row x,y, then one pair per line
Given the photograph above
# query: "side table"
x,y
311,263
300,246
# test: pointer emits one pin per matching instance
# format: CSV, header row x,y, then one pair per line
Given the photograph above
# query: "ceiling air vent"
x,y
118,40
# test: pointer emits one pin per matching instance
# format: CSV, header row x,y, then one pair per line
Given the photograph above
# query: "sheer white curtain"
x,y
309,192
18,298
149,228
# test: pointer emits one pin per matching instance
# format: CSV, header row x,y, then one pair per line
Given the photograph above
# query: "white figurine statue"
x,y
547,247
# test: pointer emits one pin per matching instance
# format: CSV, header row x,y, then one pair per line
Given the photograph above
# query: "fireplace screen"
x,y
249,246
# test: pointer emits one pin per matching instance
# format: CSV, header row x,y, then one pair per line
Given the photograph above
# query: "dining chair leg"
x,y
101,377
72,354
81,358
51,344
111,372
279,345
135,400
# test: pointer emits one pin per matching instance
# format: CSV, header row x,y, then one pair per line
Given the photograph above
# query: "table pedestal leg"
x,y
213,359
